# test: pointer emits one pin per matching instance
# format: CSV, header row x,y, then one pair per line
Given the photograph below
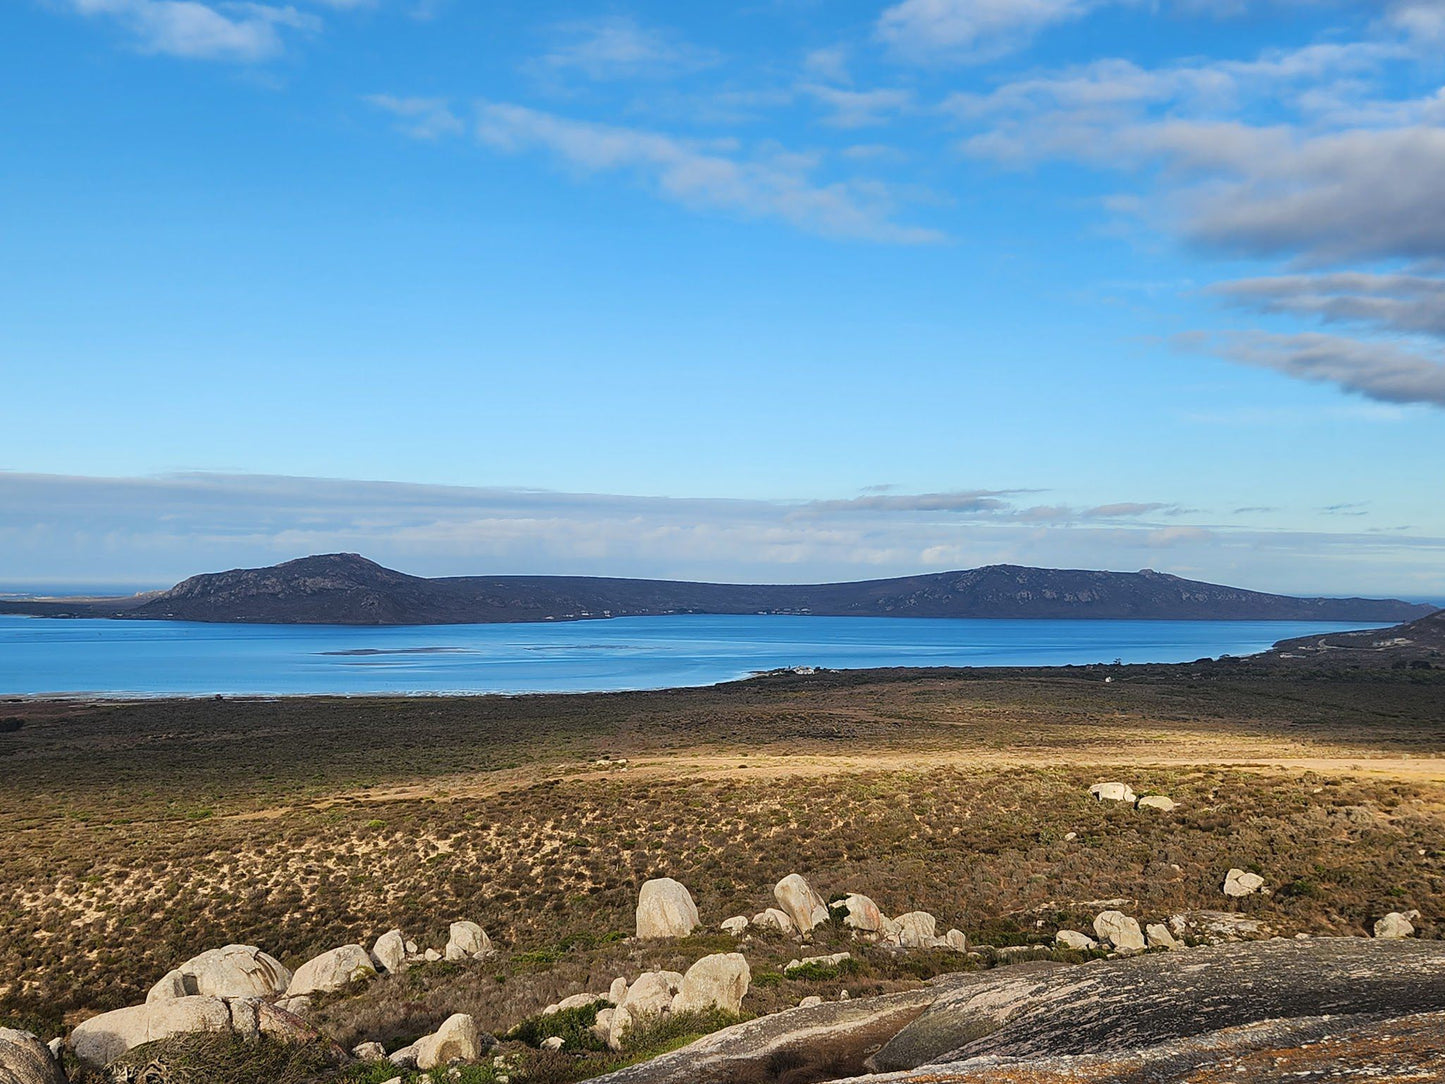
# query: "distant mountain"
x,y
1416,644
346,589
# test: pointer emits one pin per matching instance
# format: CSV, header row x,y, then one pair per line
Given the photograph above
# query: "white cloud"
x,y
241,32
969,29
422,118
158,530
704,175
858,108
620,48
1376,370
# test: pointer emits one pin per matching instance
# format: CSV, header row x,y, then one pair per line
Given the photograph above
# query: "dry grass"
x,y
141,834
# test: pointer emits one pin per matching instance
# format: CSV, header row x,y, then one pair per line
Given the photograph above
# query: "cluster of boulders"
x,y
665,908
1122,792
242,990
1117,932
719,981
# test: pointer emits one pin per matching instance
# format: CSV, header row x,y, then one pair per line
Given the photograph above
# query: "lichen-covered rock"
x,y
956,940
1157,801
333,970
389,952
1072,939
232,971
101,1039
457,1040
1159,936
917,929
1113,792
652,993
719,981
774,919
860,913
735,925
1238,882
1119,930
468,938
665,909
800,903
1394,926
1113,1005
24,1059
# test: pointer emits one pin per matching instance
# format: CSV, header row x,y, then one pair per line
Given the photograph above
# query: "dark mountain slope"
x,y
348,589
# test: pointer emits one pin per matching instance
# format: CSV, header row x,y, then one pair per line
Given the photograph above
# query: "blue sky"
x,y
784,290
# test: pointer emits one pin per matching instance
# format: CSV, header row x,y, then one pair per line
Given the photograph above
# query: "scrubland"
x,y
138,834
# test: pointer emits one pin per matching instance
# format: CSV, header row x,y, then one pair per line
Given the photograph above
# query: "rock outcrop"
x,y
467,941
333,970
1396,925
232,971
665,909
1119,930
774,919
719,981
1107,1006
389,952
1238,882
860,913
1113,792
101,1039
457,1040
804,907
24,1059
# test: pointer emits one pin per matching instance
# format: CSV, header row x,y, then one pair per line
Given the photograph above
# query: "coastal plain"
x,y
140,832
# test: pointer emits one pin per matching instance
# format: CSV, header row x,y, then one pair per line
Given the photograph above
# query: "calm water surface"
x,y
152,658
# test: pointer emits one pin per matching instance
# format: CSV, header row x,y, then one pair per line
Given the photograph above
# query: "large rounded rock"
x,y
389,952
773,919
917,929
1239,883
1119,930
1072,939
665,909
467,940
24,1059
1113,792
334,970
232,971
652,993
1394,926
101,1039
457,1040
860,913
715,982
800,903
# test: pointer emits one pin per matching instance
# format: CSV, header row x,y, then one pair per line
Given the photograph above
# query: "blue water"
x,y
151,658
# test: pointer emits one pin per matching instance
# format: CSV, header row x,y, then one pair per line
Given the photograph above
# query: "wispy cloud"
x,y
239,32
969,29
1406,303
858,108
705,175
421,118
159,529
1376,370
619,47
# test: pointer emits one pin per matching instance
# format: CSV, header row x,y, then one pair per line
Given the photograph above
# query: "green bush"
x,y
572,1026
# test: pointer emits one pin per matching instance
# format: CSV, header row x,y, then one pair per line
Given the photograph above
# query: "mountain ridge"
x,y
349,589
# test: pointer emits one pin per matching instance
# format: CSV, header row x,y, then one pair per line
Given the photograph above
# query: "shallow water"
x,y
152,658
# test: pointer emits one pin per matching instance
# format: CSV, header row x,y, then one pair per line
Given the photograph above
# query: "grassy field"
x,y
139,834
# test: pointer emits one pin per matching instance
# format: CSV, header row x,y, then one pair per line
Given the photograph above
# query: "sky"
x,y
778,291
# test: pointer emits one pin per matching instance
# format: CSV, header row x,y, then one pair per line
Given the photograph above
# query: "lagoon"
x,y
40,656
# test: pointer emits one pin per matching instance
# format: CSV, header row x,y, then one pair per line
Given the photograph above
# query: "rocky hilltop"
x,y
347,589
